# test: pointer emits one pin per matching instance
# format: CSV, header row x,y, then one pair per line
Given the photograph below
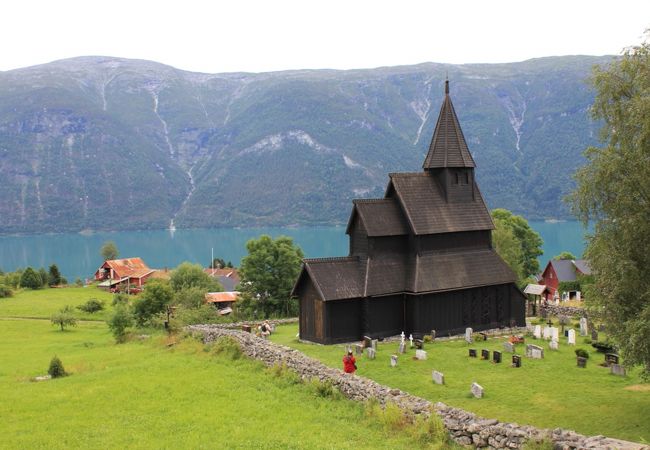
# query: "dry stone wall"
x,y
464,427
554,310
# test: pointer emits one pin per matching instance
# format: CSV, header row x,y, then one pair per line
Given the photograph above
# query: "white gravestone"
x,y
553,345
402,347
617,369
393,360
583,326
572,337
411,339
373,343
547,333
358,349
508,347
438,377
555,334
402,337
536,354
538,332
421,354
371,352
477,390
468,335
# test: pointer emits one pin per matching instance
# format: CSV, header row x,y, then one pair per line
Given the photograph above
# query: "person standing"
x,y
349,363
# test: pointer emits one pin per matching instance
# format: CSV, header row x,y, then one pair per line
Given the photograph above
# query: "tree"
x,y
119,322
218,263
109,251
155,298
529,240
64,318
54,276
31,279
565,255
43,275
188,275
508,247
613,191
269,271
56,369
91,306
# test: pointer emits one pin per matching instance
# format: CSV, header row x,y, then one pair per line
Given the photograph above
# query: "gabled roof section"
x,y
380,217
565,269
427,211
448,147
460,270
128,267
336,278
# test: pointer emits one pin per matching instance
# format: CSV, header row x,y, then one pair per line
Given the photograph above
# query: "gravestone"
x,y
483,336
566,333
534,351
582,362
555,334
538,332
393,360
477,390
411,339
433,335
594,335
246,328
373,344
371,353
583,326
516,361
472,353
572,337
537,354
485,354
358,349
421,354
438,377
367,341
402,336
611,358
402,347
496,357
508,347
419,344
547,333
554,345
468,335
617,369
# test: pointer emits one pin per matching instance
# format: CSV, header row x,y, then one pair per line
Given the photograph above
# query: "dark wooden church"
x,y
421,258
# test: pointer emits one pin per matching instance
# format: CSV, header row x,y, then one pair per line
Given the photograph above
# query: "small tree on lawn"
x,y
119,322
64,318
154,300
56,369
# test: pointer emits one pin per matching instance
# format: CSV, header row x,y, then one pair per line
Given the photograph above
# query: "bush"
x,y
324,389
604,347
119,322
91,306
120,299
155,298
31,279
204,314
226,346
430,430
5,291
581,352
281,371
56,369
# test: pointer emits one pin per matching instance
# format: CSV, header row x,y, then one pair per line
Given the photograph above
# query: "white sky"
x,y
264,35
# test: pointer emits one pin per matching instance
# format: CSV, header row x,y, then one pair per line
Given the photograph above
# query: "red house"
x,y
557,271
132,272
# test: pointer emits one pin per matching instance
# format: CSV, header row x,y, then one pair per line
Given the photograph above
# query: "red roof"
x,y
221,297
128,267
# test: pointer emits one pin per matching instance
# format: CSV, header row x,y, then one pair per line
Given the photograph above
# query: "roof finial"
x,y
447,83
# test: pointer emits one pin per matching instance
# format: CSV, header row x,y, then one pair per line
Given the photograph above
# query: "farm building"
x,y
130,272
562,270
420,259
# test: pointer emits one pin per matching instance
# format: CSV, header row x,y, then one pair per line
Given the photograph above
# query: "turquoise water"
x,y
78,255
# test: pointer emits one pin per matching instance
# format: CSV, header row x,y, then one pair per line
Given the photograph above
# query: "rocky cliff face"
x,y
109,143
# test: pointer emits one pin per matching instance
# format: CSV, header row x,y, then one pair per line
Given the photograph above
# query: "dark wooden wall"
x,y
454,241
358,238
384,316
345,324
311,323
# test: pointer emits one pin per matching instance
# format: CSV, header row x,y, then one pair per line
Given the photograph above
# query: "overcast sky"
x,y
258,36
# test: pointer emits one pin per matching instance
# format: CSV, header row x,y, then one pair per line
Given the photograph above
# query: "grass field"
x,y
42,303
548,393
146,394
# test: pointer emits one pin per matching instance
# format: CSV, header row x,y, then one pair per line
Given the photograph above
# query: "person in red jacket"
x,y
349,363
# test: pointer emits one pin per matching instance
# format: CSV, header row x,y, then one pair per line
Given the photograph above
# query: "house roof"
x,y
448,147
583,266
535,289
221,297
380,217
565,269
227,276
336,278
427,210
128,267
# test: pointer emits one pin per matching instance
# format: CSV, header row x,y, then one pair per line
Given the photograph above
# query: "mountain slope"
x,y
110,143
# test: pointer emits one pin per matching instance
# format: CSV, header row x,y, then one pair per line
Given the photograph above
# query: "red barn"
x,y
127,271
557,271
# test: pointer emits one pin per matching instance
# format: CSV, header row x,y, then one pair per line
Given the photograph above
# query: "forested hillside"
x,y
108,143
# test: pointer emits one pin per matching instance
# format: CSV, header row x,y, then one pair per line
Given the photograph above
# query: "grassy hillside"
x,y
548,393
151,394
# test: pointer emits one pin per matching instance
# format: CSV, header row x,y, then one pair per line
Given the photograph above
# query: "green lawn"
x,y
548,393
145,394
42,303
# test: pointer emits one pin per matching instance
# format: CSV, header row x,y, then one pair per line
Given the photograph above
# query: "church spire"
x,y
448,147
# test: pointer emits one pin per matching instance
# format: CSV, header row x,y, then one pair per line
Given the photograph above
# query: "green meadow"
x,y
549,393
161,392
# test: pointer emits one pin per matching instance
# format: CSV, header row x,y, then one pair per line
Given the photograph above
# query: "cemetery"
x,y
535,382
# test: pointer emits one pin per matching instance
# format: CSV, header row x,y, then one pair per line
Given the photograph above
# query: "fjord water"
x,y
77,255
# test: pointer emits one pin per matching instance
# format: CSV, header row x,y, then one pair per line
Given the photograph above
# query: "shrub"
x,y
120,299
430,430
587,341
78,282
226,346
581,352
154,300
204,314
5,291
281,371
427,338
604,347
119,322
31,279
56,369
544,444
324,389
91,306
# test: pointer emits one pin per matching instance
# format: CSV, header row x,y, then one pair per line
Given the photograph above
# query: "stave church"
x,y
420,259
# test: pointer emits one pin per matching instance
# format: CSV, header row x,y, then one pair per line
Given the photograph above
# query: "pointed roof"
x,y
448,147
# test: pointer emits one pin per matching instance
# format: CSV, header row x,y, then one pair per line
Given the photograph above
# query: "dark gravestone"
x,y
472,353
483,336
582,362
611,358
594,335
485,354
516,361
246,328
496,357
566,333
419,344
367,341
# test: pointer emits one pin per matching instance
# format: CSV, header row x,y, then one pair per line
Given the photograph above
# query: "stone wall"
x,y
554,311
464,427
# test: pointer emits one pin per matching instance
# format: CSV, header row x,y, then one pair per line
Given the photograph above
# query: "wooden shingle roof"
x,y
427,211
448,147
380,217
336,278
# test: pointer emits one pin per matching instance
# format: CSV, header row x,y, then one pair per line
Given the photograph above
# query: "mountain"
x,y
101,143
